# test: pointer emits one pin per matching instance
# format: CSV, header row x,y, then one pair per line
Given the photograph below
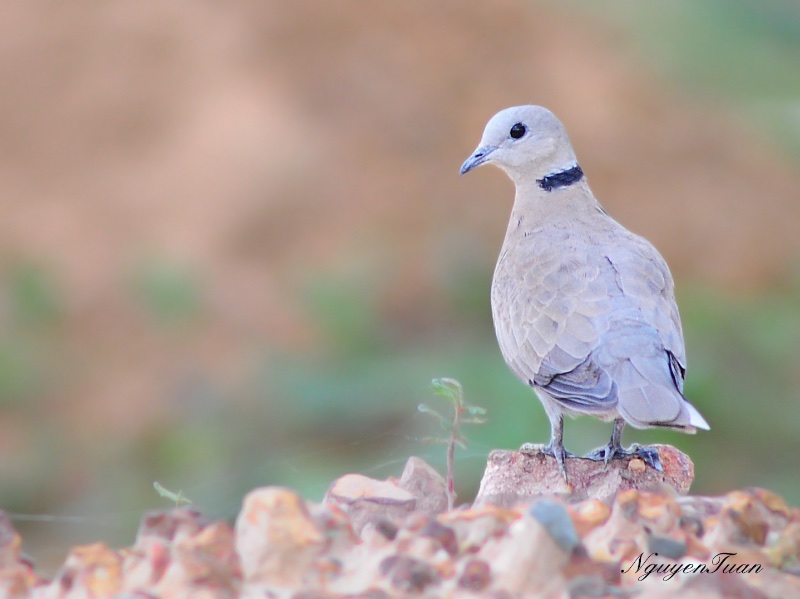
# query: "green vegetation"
x,y
168,292
302,419
745,52
463,413
179,499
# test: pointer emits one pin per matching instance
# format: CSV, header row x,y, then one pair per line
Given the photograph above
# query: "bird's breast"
x,y
549,289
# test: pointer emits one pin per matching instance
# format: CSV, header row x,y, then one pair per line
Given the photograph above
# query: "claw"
x,y
607,453
614,451
648,454
555,447
560,454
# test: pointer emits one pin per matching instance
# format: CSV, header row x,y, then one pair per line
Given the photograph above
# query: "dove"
x,y
583,309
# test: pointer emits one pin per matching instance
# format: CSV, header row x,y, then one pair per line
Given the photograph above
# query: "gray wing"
x,y
642,275
644,349
580,321
551,310
579,310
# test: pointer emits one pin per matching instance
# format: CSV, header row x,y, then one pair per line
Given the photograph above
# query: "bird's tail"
x,y
658,405
695,419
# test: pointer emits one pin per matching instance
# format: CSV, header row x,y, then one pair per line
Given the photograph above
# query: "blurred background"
x,y
235,249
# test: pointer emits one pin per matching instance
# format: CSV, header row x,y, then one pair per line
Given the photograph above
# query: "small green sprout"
x,y
463,413
179,498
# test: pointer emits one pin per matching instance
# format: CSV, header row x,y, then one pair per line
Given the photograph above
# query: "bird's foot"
x,y
616,452
552,449
531,448
606,453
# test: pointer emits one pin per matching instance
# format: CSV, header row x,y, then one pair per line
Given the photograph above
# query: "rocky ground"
x,y
394,538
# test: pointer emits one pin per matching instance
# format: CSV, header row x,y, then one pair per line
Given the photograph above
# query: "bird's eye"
x,y
518,130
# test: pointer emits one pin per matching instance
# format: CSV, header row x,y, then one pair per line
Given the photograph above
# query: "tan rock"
x,y
335,525
207,560
774,503
408,575
366,500
145,563
180,553
741,521
277,539
771,582
783,547
425,483
527,560
513,477
17,581
171,525
10,542
475,526
622,537
475,576
17,577
588,515
90,571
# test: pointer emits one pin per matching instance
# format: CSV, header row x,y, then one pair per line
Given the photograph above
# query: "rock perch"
x,y
514,477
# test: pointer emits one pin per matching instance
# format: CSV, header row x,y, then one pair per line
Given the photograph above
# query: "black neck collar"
x,y
561,179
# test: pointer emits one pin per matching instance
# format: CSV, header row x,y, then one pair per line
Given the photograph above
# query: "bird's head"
x,y
527,142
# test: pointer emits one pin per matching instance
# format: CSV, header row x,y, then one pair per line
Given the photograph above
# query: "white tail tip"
x,y
695,419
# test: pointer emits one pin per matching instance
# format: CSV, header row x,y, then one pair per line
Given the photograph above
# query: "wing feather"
x,y
594,324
